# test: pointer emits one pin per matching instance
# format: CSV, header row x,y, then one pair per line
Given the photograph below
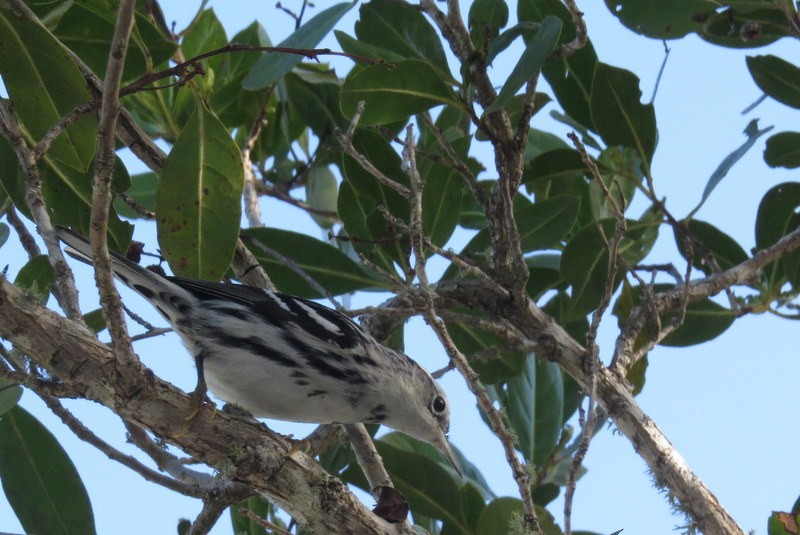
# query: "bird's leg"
x,y
199,396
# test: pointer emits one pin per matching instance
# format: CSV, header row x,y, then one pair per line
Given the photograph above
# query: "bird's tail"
x,y
139,279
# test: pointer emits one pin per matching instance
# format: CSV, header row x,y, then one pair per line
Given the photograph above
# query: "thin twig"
x,y
25,237
252,209
263,522
581,34
50,136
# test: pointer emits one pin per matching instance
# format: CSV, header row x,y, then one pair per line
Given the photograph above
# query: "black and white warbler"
x,y
284,357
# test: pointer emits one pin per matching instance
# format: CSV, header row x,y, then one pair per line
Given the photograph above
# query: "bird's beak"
x,y
441,443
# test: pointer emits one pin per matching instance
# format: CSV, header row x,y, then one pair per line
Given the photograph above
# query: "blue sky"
x,y
729,406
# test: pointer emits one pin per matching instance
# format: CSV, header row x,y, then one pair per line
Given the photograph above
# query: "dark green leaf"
x,y
777,78
536,52
485,19
95,320
322,192
326,264
504,40
271,67
36,276
584,262
722,247
403,31
617,113
704,321
535,407
394,93
39,480
514,108
498,515
243,525
544,274
429,486
783,150
571,77
441,201
777,216
10,393
5,232
662,20
44,84
492,370
204,35
87,29
554,165
143,191
745,24
361,194
199,199
753,133
317,102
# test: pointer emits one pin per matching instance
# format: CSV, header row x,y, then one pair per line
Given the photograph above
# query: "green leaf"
x,y
753,133
36,276
243,525
205,34
441,201
722,247
783,150
199,199
67,193
536,52
504,40
394,93
39,480
143,191
541,225
485,19
498,515
554,165
704,321
316,103
271,67
10,393
360,195
777,78
404,32
5,232
495,369
777,216
429,486
783,523
570,78
584,262
617,113
535,407
326,264
322,193
87,29
662,20
44,84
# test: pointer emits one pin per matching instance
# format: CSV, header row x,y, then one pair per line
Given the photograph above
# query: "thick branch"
x,y
244,451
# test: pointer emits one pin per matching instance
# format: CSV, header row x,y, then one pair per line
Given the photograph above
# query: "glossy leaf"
x,y
199,199
571,78
777,78
142,191
618,114
441,202
39,480
36,277
554,165
44,85
783,150
725,250
316,103
485,19
87,29
322,192
704,321
777,216
205,34
430,487
404,32
584,262
326,264
498,515
535,407
10,394
536,52
753,133
360,195
504,40
662,20
394,93
271,67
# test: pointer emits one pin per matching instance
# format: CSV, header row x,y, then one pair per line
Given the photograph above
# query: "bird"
x,y
284,357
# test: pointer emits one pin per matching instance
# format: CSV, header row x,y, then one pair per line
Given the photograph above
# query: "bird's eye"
x,y
439,404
